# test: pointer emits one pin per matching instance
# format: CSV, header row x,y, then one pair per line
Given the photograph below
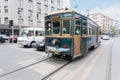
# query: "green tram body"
x,y
69,33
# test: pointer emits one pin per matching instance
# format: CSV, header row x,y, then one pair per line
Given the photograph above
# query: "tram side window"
x,y
84,31
93,31
66,24
78,22
56,27
84,23
90,31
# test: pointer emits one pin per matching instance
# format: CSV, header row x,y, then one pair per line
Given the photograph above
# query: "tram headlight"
x,y
54,41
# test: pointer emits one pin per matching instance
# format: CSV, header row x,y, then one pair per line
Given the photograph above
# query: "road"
x,y
102,63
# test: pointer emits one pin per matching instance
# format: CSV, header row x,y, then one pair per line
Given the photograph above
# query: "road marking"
x,y
73,74
62,74
84,76
43,68
27,62
30,61
29,50
1,71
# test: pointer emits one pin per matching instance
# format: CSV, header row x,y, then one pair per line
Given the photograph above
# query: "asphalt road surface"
x,y
102,63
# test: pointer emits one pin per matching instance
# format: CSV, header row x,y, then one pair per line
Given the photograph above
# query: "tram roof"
x,y
71,10
62,11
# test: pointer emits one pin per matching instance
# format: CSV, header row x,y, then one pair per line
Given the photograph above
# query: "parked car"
x,y
40,45
105,37
13,38
4,36
2,40
102,36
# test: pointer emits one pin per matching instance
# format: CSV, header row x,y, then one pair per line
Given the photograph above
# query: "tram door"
x,y
77,37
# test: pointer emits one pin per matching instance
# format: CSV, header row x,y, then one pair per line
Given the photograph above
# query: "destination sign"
x,y
67,15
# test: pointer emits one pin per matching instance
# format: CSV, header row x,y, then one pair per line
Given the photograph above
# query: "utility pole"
x,y
12,27
20,11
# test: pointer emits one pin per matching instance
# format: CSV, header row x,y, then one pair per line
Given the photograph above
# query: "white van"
x,y
29,36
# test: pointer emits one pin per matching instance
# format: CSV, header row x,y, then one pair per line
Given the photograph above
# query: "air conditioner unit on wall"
x,y
29,16
37,17
39,9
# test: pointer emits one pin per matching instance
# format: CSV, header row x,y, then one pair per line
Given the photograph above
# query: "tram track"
x,y
58,60
61,67
11,72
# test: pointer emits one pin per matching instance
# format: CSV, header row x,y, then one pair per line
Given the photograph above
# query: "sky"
x,y
110,8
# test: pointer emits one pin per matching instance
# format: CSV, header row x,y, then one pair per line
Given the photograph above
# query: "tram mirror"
x,y
77,30
49,24
64,30
49,29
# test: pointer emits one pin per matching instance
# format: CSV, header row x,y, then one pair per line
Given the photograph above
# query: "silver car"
x,y
105,37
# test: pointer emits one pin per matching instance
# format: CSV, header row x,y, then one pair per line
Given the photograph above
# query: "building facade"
x,y
107,24
26,13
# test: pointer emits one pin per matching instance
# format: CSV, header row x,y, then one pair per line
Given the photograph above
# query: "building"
x,y
107,24
26,13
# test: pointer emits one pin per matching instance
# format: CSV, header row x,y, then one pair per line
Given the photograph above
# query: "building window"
x,y
20,2
52,9
38,15
58,9
58,2
39,23
20,11
38,6
30,3
52,1
0,10
6,20
30,22
46,7
6,1
46,0
6,9
30,13
20,21
45,14
0,20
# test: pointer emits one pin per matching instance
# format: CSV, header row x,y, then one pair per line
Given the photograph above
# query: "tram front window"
x,y
66,24
56,27
48,28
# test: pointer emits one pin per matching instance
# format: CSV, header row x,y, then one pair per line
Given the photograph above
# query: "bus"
x,y
70,34
29,36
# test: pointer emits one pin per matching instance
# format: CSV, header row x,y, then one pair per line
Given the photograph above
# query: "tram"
x,y
69,33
